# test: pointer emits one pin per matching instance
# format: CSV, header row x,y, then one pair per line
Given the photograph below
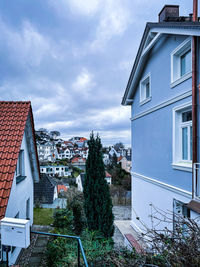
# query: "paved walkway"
x,y
122,213
123,227
38,252
34,256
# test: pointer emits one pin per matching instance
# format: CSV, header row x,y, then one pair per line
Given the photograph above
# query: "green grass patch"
x,y
76,174
43,216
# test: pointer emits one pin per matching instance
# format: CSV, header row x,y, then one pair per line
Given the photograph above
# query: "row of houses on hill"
x,y
49,151
76,150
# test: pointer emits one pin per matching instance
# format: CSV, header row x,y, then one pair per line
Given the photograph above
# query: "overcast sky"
x,y
72,59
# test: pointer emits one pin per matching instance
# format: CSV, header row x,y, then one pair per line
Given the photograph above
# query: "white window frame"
x,y
176,77
20,168
28,209
143,82
177,161
186,125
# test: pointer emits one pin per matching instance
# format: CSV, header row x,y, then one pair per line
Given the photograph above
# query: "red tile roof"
x,y
13,117
108,174
61,187
120,158
78,159
83,139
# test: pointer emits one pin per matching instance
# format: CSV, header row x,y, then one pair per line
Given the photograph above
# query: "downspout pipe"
x,y
194,95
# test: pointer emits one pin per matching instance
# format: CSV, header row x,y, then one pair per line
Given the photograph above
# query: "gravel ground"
x,y
120,213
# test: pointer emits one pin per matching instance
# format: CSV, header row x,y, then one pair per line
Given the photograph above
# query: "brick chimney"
x,y
169,13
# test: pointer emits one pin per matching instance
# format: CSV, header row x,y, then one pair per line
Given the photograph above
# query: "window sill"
x,y
181,79
20,178
145,101
182,166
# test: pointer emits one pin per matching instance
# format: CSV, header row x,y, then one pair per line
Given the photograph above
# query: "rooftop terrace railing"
x,y
80,249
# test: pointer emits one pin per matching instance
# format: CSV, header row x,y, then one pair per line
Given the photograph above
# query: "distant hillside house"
x,y
45,192
125,163
61,188
65,153
81,178
19,166
106,159
47,151
108,178
79,162
59,170
68,152
80,181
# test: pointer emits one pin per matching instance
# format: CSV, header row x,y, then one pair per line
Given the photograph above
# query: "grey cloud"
x,y
73,63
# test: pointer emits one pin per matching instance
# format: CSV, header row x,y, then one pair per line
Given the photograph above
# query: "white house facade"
x,y
58,170
22,166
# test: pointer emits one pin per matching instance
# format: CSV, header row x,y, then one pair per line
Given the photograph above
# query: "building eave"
x,y
159,29
32,149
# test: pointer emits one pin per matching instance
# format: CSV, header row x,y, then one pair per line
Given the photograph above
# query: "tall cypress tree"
x,y
98,204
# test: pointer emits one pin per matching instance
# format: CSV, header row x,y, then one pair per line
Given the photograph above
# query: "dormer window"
x,y
145,90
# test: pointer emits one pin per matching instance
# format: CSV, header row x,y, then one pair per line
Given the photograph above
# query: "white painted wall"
x,y
55,195
146,191
60,172
79,183
108,180
19,194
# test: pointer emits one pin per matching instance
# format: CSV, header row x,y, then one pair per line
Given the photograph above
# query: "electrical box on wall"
x,y
15,232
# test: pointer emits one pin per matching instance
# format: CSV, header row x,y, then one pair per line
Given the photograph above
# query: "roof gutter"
x,y
161,29
194,96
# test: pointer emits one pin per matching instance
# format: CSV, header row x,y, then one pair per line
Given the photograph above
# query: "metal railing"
x,y
196,180
79,245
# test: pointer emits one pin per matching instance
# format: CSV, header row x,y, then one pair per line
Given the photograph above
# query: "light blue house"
x,y
162,92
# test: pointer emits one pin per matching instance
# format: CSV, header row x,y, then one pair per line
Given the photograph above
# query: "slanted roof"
x,y
119,159
44,190
152,33
108,175
78,159
14,117
61,187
